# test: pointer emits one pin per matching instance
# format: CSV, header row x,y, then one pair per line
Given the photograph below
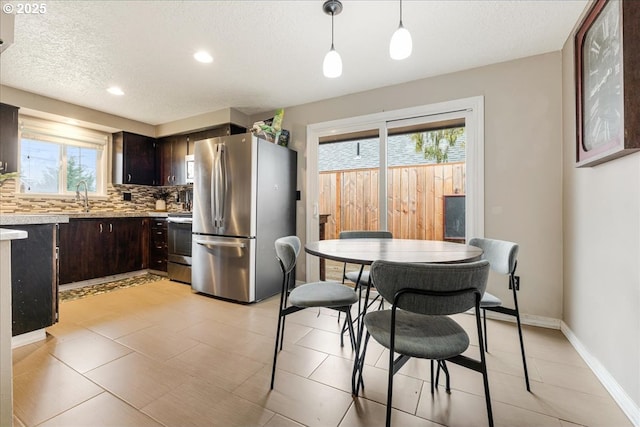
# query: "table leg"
x,y
358,362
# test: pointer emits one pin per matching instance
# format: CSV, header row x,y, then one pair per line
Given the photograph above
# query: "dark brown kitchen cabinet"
x,y
173,150
224,130
158,245
126,244
34,278
134,159
91,248
8,138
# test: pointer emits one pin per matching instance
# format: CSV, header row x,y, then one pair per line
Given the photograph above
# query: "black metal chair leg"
x,y
390,386
352,335
484,320
361,364
282,333
517,315
280,330
447,386
483,367
275,353
524,360
432,379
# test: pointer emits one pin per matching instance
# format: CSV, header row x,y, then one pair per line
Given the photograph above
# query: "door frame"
x,y
471,109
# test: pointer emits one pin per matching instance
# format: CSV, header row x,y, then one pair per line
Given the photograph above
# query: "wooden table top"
x,y
366,251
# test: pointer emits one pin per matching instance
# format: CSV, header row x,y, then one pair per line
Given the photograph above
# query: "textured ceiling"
x,y
267,54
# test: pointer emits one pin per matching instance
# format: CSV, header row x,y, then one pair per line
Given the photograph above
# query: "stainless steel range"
x,y
179,242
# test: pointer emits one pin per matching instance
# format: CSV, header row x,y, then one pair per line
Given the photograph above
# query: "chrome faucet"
x,y
85,200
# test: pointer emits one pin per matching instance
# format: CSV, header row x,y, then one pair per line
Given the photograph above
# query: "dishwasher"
x,y
179,243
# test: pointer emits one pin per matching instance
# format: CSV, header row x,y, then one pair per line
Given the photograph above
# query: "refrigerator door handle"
x,y
212,178
211,244
223,184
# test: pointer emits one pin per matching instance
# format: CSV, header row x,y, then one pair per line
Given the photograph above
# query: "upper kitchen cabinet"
x,y
224,130
8,138
134,159
173,150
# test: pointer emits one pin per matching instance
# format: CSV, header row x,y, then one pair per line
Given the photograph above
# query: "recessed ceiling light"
x,y
114,90
202,56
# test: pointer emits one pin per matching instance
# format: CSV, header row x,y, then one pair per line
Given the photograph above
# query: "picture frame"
x,y
606,59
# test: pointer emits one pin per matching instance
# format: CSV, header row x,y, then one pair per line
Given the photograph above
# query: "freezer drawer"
x,y
224,267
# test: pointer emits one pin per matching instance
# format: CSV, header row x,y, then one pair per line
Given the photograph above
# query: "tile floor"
x,y
159,355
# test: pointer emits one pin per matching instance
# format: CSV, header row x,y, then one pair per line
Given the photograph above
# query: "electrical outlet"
x,y
126,196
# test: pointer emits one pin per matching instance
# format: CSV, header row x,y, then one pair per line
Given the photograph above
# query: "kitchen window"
x,y
55,157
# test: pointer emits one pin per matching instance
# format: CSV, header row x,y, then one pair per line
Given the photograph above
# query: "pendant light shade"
x,y
332,65
401,44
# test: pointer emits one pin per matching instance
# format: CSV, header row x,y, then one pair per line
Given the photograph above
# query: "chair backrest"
x,y
287,250
366,234
502,255
441,281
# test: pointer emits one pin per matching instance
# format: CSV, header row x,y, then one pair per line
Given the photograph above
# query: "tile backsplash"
x,y
142,200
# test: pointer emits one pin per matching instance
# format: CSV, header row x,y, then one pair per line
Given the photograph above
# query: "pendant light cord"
x,y
401,13
332,30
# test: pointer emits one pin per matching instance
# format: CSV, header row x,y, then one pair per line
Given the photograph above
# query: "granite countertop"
x,y
62,217
12,234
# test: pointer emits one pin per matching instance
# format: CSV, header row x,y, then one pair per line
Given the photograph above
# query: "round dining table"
x,y
366,251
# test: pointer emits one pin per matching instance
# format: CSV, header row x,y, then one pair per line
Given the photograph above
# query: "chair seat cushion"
x,y
417,335
489,300
322,294
353,276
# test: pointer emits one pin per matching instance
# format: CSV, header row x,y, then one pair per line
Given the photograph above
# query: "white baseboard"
x,y
28,338
628,406
525,319
622,399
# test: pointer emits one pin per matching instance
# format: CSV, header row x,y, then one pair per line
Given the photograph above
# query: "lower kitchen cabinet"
x,y
91,248
34,278
158,245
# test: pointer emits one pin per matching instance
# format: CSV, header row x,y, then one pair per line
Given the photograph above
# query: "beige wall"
x,y
46,106
601,226
523,140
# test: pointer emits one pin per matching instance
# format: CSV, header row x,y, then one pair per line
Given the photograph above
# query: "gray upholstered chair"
x,y
418,324
502,257
317,294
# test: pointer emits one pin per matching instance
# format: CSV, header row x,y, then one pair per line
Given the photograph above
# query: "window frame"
x,y
65,135
471,109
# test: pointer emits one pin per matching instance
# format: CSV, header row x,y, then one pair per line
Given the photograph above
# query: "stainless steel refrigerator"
x,y
244,199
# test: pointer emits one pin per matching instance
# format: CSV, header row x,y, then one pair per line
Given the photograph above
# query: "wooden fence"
x,y
415,199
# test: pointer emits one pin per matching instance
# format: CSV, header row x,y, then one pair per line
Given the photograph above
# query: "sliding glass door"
x,y
349,182
402,171
426,167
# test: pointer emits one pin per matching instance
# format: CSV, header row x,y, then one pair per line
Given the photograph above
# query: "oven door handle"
x,y
211,244
180,220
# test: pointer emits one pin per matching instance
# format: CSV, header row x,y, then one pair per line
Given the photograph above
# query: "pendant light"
x,y
401,44
332,65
